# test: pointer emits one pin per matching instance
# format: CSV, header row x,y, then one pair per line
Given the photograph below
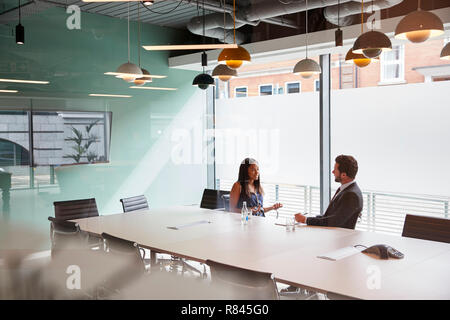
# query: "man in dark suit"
x,y
346,205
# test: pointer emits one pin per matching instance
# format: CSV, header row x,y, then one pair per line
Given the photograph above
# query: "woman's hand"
x,y
276,206
256,209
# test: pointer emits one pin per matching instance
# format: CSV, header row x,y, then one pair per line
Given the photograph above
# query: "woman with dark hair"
x,y
248,188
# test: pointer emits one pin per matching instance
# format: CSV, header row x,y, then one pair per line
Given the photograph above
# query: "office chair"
x,y
212,199
426,228
125,258
134,203
78,209
238,283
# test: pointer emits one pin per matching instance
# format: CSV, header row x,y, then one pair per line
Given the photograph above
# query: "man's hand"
x,y
300,218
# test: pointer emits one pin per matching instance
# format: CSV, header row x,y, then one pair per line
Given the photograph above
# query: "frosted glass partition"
x,y
399,135
280,131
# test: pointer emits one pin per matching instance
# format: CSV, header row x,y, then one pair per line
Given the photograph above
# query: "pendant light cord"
x,y
139,37
19,13
339,14
362,16
373,20
234,21
418,5
203,33
224,22
306,29
128,32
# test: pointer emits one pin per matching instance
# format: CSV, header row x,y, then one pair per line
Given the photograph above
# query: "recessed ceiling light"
x,y
121,75
109,95
9,91
24,81
154,88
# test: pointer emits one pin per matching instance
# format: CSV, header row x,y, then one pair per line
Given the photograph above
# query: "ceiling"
x,y
178,13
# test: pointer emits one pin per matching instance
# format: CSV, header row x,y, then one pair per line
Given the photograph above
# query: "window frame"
x,y
292,82
241,87
263,85
400,61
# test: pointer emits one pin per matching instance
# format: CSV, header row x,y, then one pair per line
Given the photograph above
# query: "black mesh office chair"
x,y
125,257
134,203
212,199
75,209
426,228
238,283
78,209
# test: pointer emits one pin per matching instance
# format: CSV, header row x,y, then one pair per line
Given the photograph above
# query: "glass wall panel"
x,y
394,121
277,128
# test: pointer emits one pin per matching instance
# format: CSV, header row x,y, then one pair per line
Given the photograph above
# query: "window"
x,y
70,137
265,90
393,65
293,87
317,85
240,92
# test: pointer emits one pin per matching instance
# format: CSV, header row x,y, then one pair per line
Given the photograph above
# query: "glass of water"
x,y
290,223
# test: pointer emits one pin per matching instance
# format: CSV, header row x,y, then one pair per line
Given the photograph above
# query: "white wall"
x,y
399,135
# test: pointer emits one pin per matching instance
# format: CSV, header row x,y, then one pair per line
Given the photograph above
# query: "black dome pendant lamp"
x,y
20,31
203,80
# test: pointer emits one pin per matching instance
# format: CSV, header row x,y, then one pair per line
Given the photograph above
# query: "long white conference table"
x,y
291,256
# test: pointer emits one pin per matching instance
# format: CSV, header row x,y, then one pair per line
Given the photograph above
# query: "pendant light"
x,y
222,71
20,30
358,59
338,37
234,58
143,80
307,67
445,53
419,25
203,80
372,43
128,71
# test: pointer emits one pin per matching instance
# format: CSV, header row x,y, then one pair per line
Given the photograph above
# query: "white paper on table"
x,y
340,253
189,225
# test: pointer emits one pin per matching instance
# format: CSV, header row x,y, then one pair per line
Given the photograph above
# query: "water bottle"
x,y
244,213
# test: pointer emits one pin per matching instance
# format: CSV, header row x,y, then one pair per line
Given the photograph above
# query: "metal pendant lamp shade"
x,y
203,81
359,59
307,68
371,44
143,80
223,72
418,26
128,68
445,53
234,57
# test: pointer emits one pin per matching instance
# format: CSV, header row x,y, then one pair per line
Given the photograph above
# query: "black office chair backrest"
x,y
75,209
237,283
426,228
134,203
212,199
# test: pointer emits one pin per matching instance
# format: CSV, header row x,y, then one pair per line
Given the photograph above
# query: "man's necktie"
x,y
337,191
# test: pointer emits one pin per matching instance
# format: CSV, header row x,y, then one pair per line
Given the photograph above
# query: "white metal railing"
x,y
382,212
